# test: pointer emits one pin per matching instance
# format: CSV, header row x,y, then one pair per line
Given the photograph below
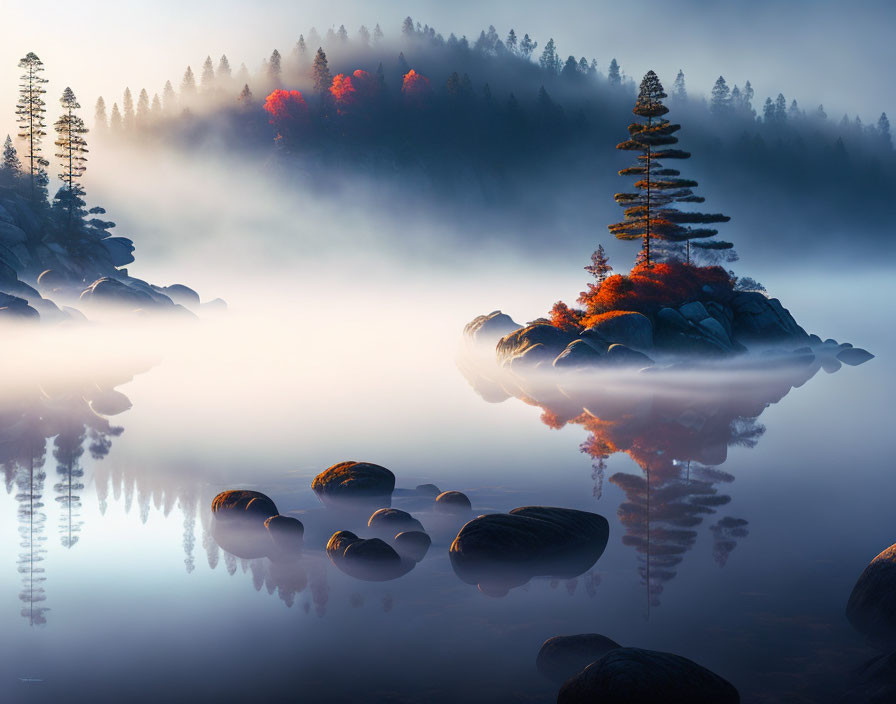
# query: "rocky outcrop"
x,y
561,657
354,483
287,534
872,604
504,550
625,328
15,309
241,504
636,676
763,320
372,560
488,329
532,346
579,354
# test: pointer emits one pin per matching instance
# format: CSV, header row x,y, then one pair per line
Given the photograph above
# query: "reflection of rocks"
x,y
636,676
872,605
502,551
561,657
352,482
372,560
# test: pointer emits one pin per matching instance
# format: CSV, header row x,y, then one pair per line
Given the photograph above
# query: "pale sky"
x,y
819,51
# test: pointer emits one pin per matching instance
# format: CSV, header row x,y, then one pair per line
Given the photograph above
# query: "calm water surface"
x,y
765,503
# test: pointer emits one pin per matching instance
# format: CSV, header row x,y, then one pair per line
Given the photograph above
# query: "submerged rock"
x,y
239,525
636,676
854,356
413,544
372,560
452,502
504,550
872,604
625,328
354,483
386,522
488,329
287,534
561,657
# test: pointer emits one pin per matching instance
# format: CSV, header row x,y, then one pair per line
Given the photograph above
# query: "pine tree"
x,y
883,130
364,35
407,27
794,112
242,75
127,104
274,68
155,109
748,94
820,114
100,121
511,42
207,80
613,75
780,109
245,98
679,92
650,213
342,34
72,147
583,66
527,47
720,102
549,60
320,72
115,121
223,72
570,69
188,85
11,164
142,109
377,34
169,99
30,114
600,265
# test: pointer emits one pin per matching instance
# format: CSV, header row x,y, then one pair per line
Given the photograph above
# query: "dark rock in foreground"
x,y
372,560
504,550
636,676
413,544
355,483
452,502
872,605
387,522
561,657
874,682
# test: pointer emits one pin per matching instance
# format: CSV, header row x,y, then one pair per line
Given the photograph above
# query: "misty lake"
x,y
114,441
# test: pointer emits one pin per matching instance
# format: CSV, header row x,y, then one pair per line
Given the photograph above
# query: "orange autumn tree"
x,y
415,88
288,112
344,93
651,213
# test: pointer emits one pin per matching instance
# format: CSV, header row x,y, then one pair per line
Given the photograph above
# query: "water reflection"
x,y
677,426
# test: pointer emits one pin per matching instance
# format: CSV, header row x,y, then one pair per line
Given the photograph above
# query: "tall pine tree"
x,y
72,148
651,214
31,111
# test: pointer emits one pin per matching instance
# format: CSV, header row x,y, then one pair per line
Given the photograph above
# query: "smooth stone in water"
x,y
561,657
636,676
386,522
452,502
287,534
428,490
413,544
241,504
372,560
354,482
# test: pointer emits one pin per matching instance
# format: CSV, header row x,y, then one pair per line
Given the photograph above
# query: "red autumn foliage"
x,y
288,111
344,93
647,289
566,318
366,85
415,86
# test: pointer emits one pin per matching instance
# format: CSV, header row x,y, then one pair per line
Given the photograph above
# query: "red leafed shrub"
x,y
647,289
415,86
566,318
288,111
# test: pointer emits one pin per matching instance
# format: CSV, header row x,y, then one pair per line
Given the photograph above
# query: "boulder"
x,y
874,682
674,333
622,356
561,657
872,604
761,319
181,294
454,502
412,544
533,345
372,560
241,504
636,676
428,490
488,329
110,291
854,356
695,311
630,329
578,354
287,535
354,483
15,309
11,234
386,522
504,550
120,250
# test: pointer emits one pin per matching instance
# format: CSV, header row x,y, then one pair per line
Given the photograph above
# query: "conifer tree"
x,y
127,104
242,75
780,109
768,112
883,130
223,72
364,35
72,148
155,109
207,80
407,27
30,114
651,214
169,99
115,121
600,265
527,47
679,92
511,42
245,99
549,60
342,34
275,70
613,75
100,121
188,85
143,109
320,72
11,164
377,34
720,101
